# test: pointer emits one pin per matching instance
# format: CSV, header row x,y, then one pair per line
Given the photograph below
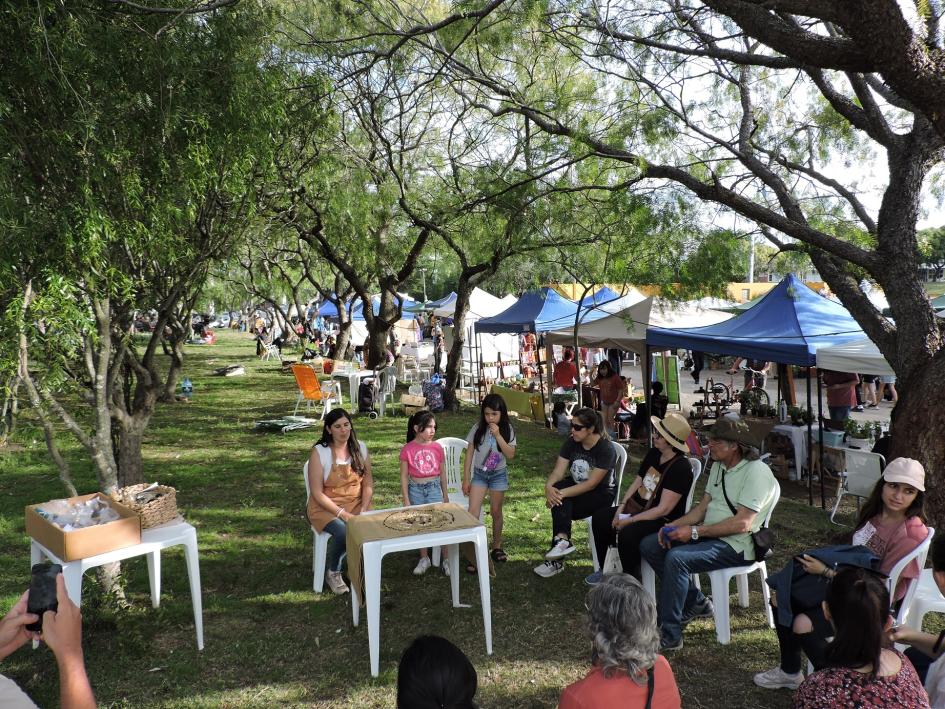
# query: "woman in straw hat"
x,y
657,495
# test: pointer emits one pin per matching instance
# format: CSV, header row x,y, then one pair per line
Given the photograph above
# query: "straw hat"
x,y
674,428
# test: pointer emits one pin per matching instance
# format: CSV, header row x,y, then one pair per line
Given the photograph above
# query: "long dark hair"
x,y
434,673
421,419
354,446
610,370
496,403
874,505
592,420
859,607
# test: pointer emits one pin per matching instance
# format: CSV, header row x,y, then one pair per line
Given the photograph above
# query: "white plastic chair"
x,y
270,350
918,555
720,579
696,466
927,599
619,465
453,451
319,543
863,470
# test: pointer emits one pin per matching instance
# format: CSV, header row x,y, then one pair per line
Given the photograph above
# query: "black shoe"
x,y
700,610
671,645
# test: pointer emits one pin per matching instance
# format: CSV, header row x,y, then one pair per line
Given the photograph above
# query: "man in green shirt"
x,y
711,536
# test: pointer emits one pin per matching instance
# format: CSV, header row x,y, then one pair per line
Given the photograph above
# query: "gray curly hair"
x,y
621,619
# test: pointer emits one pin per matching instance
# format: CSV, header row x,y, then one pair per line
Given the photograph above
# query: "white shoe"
x,y
547,569
421,568
336,583
560,549
776,678
445,565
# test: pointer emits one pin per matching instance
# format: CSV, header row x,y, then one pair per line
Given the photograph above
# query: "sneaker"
x,y
594,578
671,645
560,548
547,569
701,610
776,678
336,583
857,408
421,568
445,565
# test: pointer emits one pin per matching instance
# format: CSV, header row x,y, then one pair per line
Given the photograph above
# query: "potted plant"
x,y
858,434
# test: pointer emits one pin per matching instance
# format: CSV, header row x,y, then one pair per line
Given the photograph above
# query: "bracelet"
x,y
938,643
340,512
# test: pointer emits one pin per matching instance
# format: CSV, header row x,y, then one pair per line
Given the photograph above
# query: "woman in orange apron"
x,y
339,474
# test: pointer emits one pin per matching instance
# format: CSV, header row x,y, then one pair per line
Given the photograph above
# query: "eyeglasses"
x,y
577,427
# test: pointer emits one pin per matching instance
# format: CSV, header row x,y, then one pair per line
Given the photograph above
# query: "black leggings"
x,y
627,540
579,507
814,643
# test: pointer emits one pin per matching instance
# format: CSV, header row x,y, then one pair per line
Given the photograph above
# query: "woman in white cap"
x,y
657,495
891,524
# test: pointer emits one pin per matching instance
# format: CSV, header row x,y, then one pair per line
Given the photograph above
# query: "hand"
x,y
466,487
62,629
553,496
681,534
902,634
494,430
13,632
615,522
811,565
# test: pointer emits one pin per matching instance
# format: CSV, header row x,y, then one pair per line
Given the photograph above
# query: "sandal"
x,y
498,556
472,569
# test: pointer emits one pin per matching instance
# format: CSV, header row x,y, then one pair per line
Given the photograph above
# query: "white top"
x,y
324,456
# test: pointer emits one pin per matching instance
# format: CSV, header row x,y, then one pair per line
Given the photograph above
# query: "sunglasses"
x,y
577,427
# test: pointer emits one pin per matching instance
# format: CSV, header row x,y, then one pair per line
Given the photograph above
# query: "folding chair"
x,y
862,471
270,350
311,390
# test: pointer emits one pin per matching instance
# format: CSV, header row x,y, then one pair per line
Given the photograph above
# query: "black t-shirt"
x,y
657,477
581,462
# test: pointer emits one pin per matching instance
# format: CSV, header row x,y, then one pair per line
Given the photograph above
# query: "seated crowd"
x,y
831,603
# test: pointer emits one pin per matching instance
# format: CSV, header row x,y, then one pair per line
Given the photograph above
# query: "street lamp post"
x,y
423,274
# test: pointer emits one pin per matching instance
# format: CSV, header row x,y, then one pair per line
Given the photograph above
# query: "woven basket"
x,y
153,513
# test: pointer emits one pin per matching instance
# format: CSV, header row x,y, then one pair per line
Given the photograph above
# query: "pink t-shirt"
x,y
892,542
424,460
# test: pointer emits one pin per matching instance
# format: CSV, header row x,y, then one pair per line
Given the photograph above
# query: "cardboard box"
x,y
412,404
83,543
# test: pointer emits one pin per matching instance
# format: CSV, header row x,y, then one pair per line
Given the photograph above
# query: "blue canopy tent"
x,y
787,326
357,310
604,295
328,309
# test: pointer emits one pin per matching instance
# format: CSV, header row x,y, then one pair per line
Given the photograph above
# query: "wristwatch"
x,y
695,534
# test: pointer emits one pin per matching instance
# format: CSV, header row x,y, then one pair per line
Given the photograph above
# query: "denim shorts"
x,y
424,493
497,479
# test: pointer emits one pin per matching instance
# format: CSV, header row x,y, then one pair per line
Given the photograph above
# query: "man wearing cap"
x,y
711,536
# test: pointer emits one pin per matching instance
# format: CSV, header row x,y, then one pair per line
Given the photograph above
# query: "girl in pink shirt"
x,y
422,473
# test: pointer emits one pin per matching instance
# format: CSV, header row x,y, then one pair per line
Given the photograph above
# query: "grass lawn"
x,y
269,639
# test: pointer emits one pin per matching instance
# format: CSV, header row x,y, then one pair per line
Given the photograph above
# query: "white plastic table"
x,y
354,379
174,533
373,552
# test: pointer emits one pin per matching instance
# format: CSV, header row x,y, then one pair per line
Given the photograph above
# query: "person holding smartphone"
x,y
62,632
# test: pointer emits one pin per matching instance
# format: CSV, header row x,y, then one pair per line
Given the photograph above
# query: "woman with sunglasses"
x,y
891,524
581,483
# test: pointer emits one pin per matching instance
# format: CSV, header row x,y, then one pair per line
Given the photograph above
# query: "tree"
x,y
748,106
129,144
932,251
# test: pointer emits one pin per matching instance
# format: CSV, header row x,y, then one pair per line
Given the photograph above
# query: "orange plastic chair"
x,y
311,390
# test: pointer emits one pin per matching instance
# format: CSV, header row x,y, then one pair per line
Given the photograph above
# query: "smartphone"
x,y
43,595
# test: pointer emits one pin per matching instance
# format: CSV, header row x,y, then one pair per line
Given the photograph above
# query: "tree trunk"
x,y
454,360
918,430
130,437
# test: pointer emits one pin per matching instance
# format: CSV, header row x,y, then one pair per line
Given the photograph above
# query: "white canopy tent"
x,y
626,330
860,356
492,348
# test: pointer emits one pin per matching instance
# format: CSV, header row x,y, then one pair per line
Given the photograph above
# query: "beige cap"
x,y
906,471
